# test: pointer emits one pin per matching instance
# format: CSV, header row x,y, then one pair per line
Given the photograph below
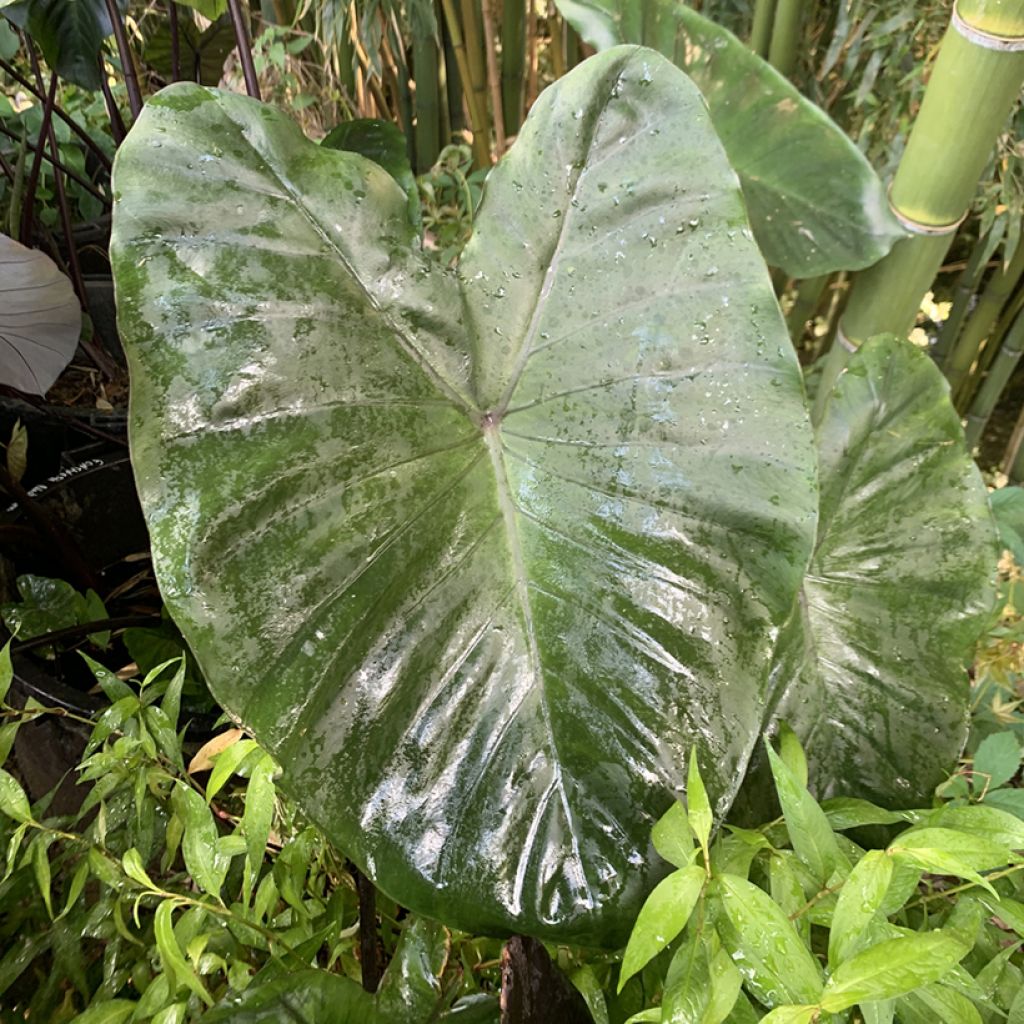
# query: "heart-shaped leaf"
x,y
477,555
899,587
790,156
40,318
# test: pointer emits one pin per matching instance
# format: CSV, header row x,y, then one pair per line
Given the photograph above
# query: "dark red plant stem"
x,y
100,359
172,14
241,24
131,79
94,148
117,126
29,200
61,541
369,961
85,628
84,182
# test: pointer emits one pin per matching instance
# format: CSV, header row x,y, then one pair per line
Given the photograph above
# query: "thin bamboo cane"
x,y
761,29
973,86
172,20
785,43
455,119
1012,452
493,78
982,320
513,63
556,46
966,286
476,64
481,146
531,53
426,68
995,383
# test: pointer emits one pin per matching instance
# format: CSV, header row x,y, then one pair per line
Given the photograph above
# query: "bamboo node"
x,y
918,227
987,40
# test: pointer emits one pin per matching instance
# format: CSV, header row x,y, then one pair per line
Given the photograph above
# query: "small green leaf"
x,y
892,968
258,815
984,822
173,1014
698,812
948,1006
171,956
170,703
1015,1015
225,764
77,884
41,869
199,842
777,966
1009,800
995,761
13,801
114,1011
134,868
792,754
845,812
688,981
726,982
946,852
673,838
809,831
785,888
859,902
791,1015
662,917
6,672
8,734
585,982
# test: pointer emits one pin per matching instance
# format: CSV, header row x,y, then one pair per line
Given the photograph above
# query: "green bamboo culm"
x,y
513,63
787,26
995,383
970,94
476,87
966,285
426,73
478,117
761,29
982,321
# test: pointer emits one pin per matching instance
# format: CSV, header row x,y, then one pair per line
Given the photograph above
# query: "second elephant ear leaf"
x,y
814,201
478,555
871,670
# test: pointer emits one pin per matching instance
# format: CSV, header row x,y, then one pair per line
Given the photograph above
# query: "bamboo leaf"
x,y
662,917
112,1011
199,841
791,1015
6,677
13,801
170,952
672,837
688,982
225,764
698,806
41,869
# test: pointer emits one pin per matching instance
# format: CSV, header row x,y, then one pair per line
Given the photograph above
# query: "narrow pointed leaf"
x,y
891,968
698,807
803,222
899,587
859,902
662,917
688,982
477,556
672,837
776,965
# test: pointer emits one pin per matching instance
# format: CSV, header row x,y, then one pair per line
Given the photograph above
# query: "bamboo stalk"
x,y
513,63
995,383
1012,452
761,28
556,45
785,42
476,63
454,108
426,69
493,79
131,78
481,147
531,54
240,23
979,326
970,94
172,17
966,286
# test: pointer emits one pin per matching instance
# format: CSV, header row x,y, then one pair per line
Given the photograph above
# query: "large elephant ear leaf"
x,y
815,203
899,587
478,555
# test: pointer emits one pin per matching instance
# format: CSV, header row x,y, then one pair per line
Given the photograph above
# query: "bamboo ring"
x,y
988,40
917,227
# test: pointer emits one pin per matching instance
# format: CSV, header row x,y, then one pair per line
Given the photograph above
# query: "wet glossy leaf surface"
x,y
478,556
302,997
805,221
899,587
